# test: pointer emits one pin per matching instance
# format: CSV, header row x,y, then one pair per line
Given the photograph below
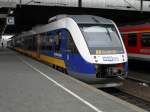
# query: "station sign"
x,y
10,20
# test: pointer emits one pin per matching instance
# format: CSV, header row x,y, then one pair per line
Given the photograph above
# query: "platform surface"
x,y
27,85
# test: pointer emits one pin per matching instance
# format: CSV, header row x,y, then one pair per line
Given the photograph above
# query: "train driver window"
x,y
146,39
132,40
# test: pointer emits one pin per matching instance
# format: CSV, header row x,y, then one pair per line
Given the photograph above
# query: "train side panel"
x,y
138,47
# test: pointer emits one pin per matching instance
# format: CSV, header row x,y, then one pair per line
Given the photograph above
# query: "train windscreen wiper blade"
x,y
108,33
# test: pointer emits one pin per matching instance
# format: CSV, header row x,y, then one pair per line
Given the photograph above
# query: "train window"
x,y
57,41
145,39
132,40
46,43
39,42
49,42
25,43
18,43
103,37
42,45
28,43
71,47
34,45
42,41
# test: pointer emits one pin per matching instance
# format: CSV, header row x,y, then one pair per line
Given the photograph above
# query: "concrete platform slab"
x,y
27,85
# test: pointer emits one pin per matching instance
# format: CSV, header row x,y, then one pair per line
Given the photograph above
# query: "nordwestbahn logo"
x,y
110,58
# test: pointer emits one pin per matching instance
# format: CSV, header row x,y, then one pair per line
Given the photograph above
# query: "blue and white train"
x,y
88,47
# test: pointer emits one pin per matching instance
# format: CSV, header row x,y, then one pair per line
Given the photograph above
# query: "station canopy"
x,y
106,4
21,15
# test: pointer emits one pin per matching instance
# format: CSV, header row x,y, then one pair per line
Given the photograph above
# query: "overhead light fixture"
x,y
128,7
11,12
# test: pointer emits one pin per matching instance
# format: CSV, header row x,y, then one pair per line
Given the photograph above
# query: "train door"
x,y
72,55
75,64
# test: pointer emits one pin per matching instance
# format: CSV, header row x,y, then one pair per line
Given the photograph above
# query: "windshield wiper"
x,y
108,33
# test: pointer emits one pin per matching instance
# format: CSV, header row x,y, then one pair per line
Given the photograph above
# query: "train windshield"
x,y
102,39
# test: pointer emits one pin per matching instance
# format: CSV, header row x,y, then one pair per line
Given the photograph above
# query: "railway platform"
x,y
27,85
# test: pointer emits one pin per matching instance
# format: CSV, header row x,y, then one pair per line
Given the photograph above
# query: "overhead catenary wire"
x,y
126,1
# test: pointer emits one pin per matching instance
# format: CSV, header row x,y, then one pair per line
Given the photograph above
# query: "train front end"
x,y
105,46
100,45
107,52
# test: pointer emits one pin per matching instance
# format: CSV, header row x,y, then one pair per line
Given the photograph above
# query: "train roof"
x,y
83,19
23,34
135,28
79,19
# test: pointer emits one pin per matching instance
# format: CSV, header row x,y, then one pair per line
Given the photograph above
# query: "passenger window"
x,y
28,43
49,42
145,39
42,41
132,40
57,41
34,47
45,42
39,42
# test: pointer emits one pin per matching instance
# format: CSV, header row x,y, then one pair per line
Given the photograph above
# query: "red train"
x,y
137,41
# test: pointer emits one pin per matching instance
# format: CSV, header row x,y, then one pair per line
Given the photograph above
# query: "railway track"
x,y
145,83
139,77
135,90
136,86
129,98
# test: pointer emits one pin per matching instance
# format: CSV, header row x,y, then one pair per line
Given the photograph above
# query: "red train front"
x,y
137,41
